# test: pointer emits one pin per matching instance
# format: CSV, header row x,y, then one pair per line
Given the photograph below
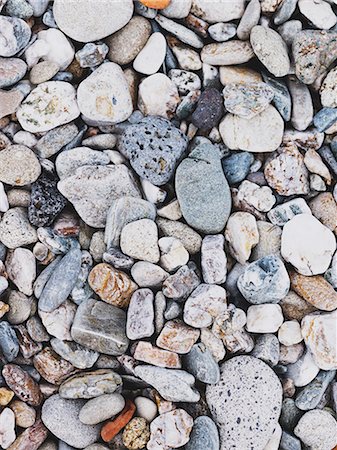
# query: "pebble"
x,y
53,141
80,357
146,352
178,420
181,284
227,53
136,434
151,57
190,239
260,197
266,318
177,337
202,190
249,19
153,147
247,398
21,269
177,9
306,253
242,235
295,307
61,417
302,107
267,348
184,34
100,327
319,335
271,50
213,259
289,333
7,428
222,32
316,429
15,34
240,134
10,102
32,437
22,384
303,371
281,214
236,166
91,185
201,364
146,408
51,367
90,384
25,415
147,274
49,105
158,96
219,12
173,254
139,240
70,160
15,229
209,110
53,40
18,165
320,14
70,19
327,91
324,208
140,316
186,83
58,321
111,429
311,395
264,281
92,55
204,435
6,396
270,240
12,70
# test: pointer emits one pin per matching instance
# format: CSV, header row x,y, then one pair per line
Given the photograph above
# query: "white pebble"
x,y
152,56
146,408
290,333
265,318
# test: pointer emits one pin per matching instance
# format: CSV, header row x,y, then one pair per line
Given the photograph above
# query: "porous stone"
x,y
136,434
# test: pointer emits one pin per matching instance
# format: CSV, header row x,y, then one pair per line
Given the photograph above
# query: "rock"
x,y
32,437
295,307
290,333
154,147
213,259
21,269
302,107
53,40
136,434
319,335
139,239
270,240
152,55
22,384
178,420
249,19
303,371
92,55
281,214
90,186
320,14
43,72
219,12
247,100
240,134
173,253
58,322
53,141
280,172
70,19
204,304
325,119
90,384
59,107
260,197
51,367
61,281
158,96
271,50
113,286
267,348
70,160
146,352
250,379
209,109
202,190
61,417
328,90
236,166
170,211
242,235
18,165
265,318
309,255
204,435
135,33
177,337
190,239
6,396
7,427
311,395
227,53
186,83
311,64
222,32
181,284
9,344
80,357
316,429
177,9
264,281
15,34
235,74
10,102
12,70
100,327
112,428
15,230
201,364
147,274
183,34
324,208
140,315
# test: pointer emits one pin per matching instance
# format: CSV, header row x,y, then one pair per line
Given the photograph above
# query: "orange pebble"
x,y
156,4
111,429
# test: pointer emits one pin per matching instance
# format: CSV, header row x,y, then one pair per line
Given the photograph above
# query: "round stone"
x,y
317,429
153,147
307,244
14,35
86,21
11,71
266,318
19,165
247,399
101,408
139,239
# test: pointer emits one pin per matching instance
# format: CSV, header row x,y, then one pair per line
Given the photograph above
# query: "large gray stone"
x,y
204,436
202,190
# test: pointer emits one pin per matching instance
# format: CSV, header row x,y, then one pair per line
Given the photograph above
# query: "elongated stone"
x,y
9,343
201,364
100,327
61,281
24,386
140,315
78,356
213,259
310,396
32,438
173,385
51,367
149,354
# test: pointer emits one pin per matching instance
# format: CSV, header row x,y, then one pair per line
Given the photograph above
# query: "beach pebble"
x,y
328,90
201,364
139,239
147,274
181,284
136,434
213,259
242,235
140,315
12,70
260,197
209,110
177,9
219,12
227,53
204,435
18,165
21,269
15,229
7,427
267,348
304,370
319,14
173,253
68,161
146,408
190,239
290,333
80,357
311,396
146,352
177,337
15,34
58,322
25,415
145,62
266,318
222,32
316,429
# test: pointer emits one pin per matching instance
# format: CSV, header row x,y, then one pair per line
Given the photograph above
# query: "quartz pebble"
x,y
7,427
266,318
139,239
140,317
242,235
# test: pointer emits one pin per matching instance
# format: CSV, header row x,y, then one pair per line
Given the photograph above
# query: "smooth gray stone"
x,y
63,446
267,348
182,283
285,11
289,442
9,344
329,157
100,327
117,259
264,281
61,281
173,310
204,435
56,244
310,396
60,416
53,141
44,276
12,70
68,161
201,364
123,211
290,414
78,356
202,190
173,385
282,98
325,118
236,166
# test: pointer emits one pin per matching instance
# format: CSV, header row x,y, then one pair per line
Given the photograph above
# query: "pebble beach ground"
x,y
168,222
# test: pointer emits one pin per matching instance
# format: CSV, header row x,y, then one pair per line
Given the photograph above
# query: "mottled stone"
x,y
140,315
18,165
15,34
267,348
213,259
177,337
80,357
209,110
57,138
51,367
317,429
22,384
242,235
136,434
227,53
139,240
281,214
181,284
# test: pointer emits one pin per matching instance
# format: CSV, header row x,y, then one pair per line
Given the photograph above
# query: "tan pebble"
x,y
324,208
43,71
52,367
295,307
4,308
6,396
177,337
136,434
24,415
146,352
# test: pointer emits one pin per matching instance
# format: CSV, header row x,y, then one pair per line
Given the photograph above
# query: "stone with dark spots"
x,y
209,110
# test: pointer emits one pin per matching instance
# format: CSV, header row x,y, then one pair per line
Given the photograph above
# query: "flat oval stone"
x,y
104,97
221,11
140,315
61,417
12,70
87,22
202,190
19,165
247,399
22,384
153,147
100,327
204,435
9,343
14,35
227,53
209,110
151,57
102,408
201,364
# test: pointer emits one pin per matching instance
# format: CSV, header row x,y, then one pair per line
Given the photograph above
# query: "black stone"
x,y
209,110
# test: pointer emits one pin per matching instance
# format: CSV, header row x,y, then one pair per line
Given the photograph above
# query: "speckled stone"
x,y
15,229
317,429
209,110
12,70
202,190
19,165
248,399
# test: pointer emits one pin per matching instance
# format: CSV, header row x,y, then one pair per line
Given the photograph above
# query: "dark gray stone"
x,y
290,414
204,435
9,344
209,110
201,364
310,396
236,167
267,348
289,442
282,98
